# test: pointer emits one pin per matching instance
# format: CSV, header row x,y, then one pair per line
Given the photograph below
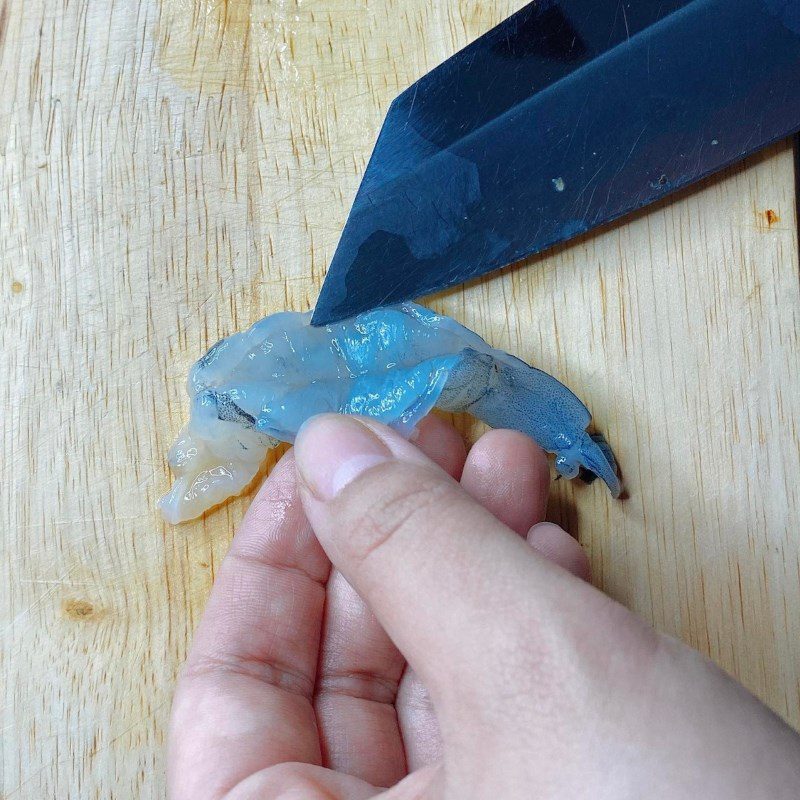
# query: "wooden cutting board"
x,y
170,172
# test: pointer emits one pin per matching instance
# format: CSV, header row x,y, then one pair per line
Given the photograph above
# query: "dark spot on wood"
x,y
80,610
202,564
771,217
17,286
3,22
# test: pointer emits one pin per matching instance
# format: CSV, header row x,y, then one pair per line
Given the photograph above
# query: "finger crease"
x,y
359,685
272,672
399,513
289,569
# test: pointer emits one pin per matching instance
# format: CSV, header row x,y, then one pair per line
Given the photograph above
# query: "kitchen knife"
x,y
565,116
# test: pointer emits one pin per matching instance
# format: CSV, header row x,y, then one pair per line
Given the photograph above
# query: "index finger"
x,y
243,700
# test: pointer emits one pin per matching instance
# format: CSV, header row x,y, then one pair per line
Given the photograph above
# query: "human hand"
x,y
540,686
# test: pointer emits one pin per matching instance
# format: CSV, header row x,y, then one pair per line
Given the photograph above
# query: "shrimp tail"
x,y
598,459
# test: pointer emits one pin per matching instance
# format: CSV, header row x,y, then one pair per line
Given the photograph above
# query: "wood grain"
x,y
170,172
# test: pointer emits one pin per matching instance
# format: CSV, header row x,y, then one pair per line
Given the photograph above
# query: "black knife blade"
x,y
569,114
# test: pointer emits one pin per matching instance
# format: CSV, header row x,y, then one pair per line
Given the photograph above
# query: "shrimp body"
x,y
256,388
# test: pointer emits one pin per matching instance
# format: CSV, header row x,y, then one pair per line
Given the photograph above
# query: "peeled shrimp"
x,y
256,388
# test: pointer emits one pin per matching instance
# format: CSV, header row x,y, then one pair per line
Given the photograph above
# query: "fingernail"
x,y
332,451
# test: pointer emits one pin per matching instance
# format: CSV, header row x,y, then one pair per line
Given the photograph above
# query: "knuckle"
x,y
399,500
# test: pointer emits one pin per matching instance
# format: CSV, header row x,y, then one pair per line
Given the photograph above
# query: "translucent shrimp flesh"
x,y
256,388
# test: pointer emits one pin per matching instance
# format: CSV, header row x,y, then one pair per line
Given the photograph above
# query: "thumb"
x,y
454,588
